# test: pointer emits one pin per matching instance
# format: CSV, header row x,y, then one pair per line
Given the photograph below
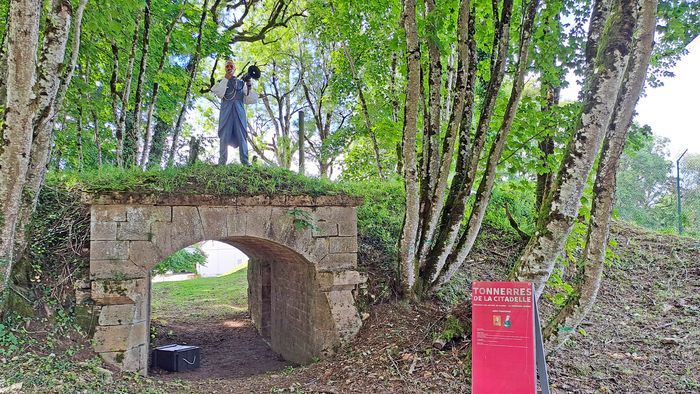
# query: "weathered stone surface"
x,y
344,217
236,220
187,226
114,315
134,231
148,213
109,250
182,199
103,231
343,244
347,320
282,227
278,200
214,222
338,261
257,222
324,228
300,201
253,200
347,226
110,269
108,213
316,249
120,338
342,280
144,254
118,291
162,239
131,360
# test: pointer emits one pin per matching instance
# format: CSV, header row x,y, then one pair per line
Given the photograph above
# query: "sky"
x,y
671,110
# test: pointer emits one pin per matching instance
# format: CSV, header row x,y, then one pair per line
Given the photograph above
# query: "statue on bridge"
x,y
233,124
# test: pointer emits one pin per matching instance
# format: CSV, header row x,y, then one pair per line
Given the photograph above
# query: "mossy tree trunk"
x,y
192,67
57,77
603,85
136,139
35,89
593,259
16,132
148,132
435,240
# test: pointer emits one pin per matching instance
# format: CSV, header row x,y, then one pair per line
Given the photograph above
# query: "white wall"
x,y
221,258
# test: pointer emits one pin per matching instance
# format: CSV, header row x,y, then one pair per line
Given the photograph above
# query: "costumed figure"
x,y
233,125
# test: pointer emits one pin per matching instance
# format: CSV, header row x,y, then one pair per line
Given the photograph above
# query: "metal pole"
x,y
678,192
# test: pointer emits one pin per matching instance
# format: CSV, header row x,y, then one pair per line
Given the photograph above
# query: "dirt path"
x,y
230,348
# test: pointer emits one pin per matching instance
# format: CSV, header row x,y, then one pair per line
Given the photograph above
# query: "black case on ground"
x,y
176,358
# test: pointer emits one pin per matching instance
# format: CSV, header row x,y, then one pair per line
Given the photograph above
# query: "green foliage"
x,y
302,219
646,186
678,24
380,218
359,163
452,330
9,341
184,260
519,196
198,179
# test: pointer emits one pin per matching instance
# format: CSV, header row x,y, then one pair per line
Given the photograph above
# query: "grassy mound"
x,y
198,179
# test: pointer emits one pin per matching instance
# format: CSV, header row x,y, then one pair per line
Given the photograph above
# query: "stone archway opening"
x,y
302,269
212,312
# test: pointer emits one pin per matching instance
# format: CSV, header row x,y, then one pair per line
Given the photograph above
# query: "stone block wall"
x,y
301,275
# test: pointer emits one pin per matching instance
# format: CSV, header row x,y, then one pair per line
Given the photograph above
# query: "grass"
x,y
202,297
198,179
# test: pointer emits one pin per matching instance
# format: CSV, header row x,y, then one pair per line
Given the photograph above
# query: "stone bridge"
x,y
302,266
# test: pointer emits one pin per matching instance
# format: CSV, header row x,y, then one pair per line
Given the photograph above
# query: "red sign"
x,y
503,338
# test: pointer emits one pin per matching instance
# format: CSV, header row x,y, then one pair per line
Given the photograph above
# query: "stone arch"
x,y
301,274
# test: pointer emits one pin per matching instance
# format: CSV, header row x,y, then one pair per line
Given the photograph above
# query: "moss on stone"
x,y
18,305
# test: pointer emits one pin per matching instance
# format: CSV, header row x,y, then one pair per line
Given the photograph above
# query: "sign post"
x,y
505,339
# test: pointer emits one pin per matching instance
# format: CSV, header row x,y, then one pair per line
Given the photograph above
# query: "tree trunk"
x,y
17,126
300,141
148,133
537,261
586,291
365,113
468,151
435,193
126,94
135,146
79,133
483,193
53,54
407,244
193,74
160,133
98,138
47,89
3,64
